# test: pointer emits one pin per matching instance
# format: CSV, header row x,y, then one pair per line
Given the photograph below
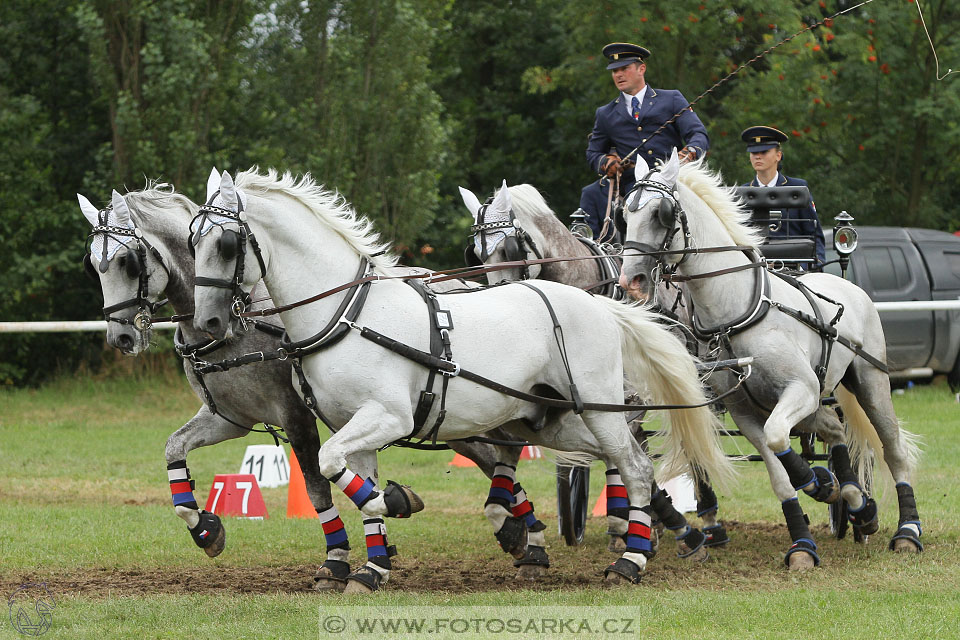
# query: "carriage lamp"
x,y
578,224
844,240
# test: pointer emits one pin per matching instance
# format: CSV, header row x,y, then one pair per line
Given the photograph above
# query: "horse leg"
x,y
376,570
707,508
618,512
802,553
205,428
625,454
690,540
305,442
535,561
797,401
515,525
861,509
371,427
607,436
872,390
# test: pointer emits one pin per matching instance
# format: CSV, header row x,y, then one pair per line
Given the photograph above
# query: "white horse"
x,y
138,255
746,310
529,230
309,241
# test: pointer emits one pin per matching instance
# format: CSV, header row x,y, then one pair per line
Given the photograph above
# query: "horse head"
x,y
130,272
220,239
498,236
650,223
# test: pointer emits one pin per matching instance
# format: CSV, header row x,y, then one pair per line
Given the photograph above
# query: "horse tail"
x,y
864,444
656,361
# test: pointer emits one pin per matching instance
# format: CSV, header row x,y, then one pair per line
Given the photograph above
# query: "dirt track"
x,y
752,553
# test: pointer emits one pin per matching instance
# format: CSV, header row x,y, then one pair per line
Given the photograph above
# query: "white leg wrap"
x,y
190,516
375,506
536,539
338,554
637,558
496,515
853,495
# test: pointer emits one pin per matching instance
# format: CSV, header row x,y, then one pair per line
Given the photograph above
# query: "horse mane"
x,y
529,201
708,186
329,207
158,201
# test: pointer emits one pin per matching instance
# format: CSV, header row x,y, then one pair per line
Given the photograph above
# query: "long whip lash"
x,y
749,63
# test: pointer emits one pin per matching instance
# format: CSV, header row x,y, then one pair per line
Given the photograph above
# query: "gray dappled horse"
x,y
369,378
809,336
134,271
528,230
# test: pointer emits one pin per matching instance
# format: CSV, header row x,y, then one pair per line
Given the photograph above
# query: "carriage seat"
x,y
767,205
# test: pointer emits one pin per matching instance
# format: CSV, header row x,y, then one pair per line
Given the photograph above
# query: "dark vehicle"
x,y
894,264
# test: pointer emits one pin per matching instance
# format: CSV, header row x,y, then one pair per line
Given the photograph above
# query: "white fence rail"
x,y
101,325
64,326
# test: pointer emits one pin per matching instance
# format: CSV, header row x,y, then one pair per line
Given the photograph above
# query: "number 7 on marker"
x,y
219,487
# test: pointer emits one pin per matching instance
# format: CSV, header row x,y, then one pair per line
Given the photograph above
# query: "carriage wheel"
x,y
837,513
573,492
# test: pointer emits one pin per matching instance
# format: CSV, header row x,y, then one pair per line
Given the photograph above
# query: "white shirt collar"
x,y
628,100
773,183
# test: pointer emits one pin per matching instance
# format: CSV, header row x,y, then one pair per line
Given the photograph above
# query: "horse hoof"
x,y
802,561
903,545
217,546
700,555
364,580
616,545
400,500
530,572
331,576
353,586
622,571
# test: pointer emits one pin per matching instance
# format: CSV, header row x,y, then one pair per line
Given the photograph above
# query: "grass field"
x,y
84,507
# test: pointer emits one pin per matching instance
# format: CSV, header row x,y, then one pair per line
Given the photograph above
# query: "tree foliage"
x,y
395,103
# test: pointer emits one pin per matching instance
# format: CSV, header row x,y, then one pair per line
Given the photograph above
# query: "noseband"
x,y
134,265
231,245
516,248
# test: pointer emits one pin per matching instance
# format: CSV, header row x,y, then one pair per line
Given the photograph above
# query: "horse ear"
x,y
121,212
213,183
641,168
471,200
503,202
228,192
90,212
671,169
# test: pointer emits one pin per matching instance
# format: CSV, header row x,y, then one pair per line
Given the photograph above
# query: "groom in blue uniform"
x,y
763,145
629,122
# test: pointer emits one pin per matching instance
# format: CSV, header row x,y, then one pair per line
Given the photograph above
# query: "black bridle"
x,y
134,263
670,215
516,247
232,245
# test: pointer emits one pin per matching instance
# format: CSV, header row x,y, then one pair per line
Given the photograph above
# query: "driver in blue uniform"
x,y
628,122
763,145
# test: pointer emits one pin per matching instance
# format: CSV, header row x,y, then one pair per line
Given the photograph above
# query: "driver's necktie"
x,y
635,108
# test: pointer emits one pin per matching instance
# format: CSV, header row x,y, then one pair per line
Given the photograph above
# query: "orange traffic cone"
x,y
298,503
531,452
461,461
600,509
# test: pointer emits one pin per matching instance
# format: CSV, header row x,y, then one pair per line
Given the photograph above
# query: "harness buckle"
x,y
142,321
451,374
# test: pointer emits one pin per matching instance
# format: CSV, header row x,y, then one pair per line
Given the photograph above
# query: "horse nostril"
x,y
212,325
125,342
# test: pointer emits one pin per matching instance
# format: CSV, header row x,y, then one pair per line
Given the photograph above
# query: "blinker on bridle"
x,y
515,247
669,213
133,262
231,245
